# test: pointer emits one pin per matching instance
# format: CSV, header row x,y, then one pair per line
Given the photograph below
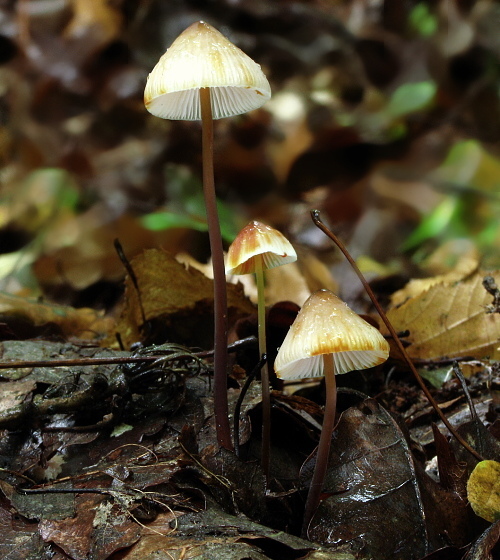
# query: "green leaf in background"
x,y
54,187
163,219
409,98
186,208
422,20
437,377
470,178
433,224
468,165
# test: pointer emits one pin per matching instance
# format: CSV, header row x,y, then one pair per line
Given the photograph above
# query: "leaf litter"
x,y
133,444
121,461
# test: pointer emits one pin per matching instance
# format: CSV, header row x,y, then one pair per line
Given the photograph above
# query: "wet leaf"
x,y
375,502
483,490
238,538
20,538
41,506
486,547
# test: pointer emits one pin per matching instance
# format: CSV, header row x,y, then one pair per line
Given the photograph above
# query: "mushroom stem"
x,y
264,372
325,441
221,410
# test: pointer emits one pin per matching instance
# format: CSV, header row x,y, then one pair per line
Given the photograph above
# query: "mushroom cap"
x,y
326,325
202,57
258,239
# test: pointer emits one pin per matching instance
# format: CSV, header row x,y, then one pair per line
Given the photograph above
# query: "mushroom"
x,y
256,248
326,339
204,76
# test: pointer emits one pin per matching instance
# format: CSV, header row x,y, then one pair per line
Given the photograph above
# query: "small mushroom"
x,y
259,247
326,339
204,76
201,57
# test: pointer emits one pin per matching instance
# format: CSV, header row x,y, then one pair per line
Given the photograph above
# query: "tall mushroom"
x,y
204,76
259,247
326,339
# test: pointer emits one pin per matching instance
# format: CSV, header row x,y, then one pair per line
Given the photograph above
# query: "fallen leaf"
x,y
178,297
486,546
27,317
99,529
483,490
378,500
286,283
20,539
466,265
450,320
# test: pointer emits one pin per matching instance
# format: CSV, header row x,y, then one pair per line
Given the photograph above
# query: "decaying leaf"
x,y
215,535
486,545
450,320
98,20
99,529
286,283
179,297
376,503
483,490
29,317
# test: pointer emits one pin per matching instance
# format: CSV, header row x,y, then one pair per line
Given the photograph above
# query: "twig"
x,y
317,222
14,364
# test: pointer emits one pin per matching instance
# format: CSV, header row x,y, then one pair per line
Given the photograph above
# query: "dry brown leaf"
x,y
317,275
467,263
81,323
179,296
286,283
450,320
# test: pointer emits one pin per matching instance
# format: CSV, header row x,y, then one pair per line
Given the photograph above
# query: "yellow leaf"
x,y
483,490
178,297
450,320
81,323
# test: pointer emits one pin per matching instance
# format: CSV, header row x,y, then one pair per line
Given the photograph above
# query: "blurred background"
x,y
385,116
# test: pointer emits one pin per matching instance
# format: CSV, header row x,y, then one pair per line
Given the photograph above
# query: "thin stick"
x,y
16,364
325,441
264,373
317,221
221,409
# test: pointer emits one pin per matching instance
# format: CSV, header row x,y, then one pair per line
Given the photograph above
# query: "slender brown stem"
x,y
325,441
220,296
317,221
264,372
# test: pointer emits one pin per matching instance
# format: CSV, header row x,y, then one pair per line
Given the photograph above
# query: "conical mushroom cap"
x,y
326,325
258,239
202,57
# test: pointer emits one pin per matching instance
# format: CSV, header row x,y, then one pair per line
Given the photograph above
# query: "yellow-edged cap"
x,y
257,239
326,325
